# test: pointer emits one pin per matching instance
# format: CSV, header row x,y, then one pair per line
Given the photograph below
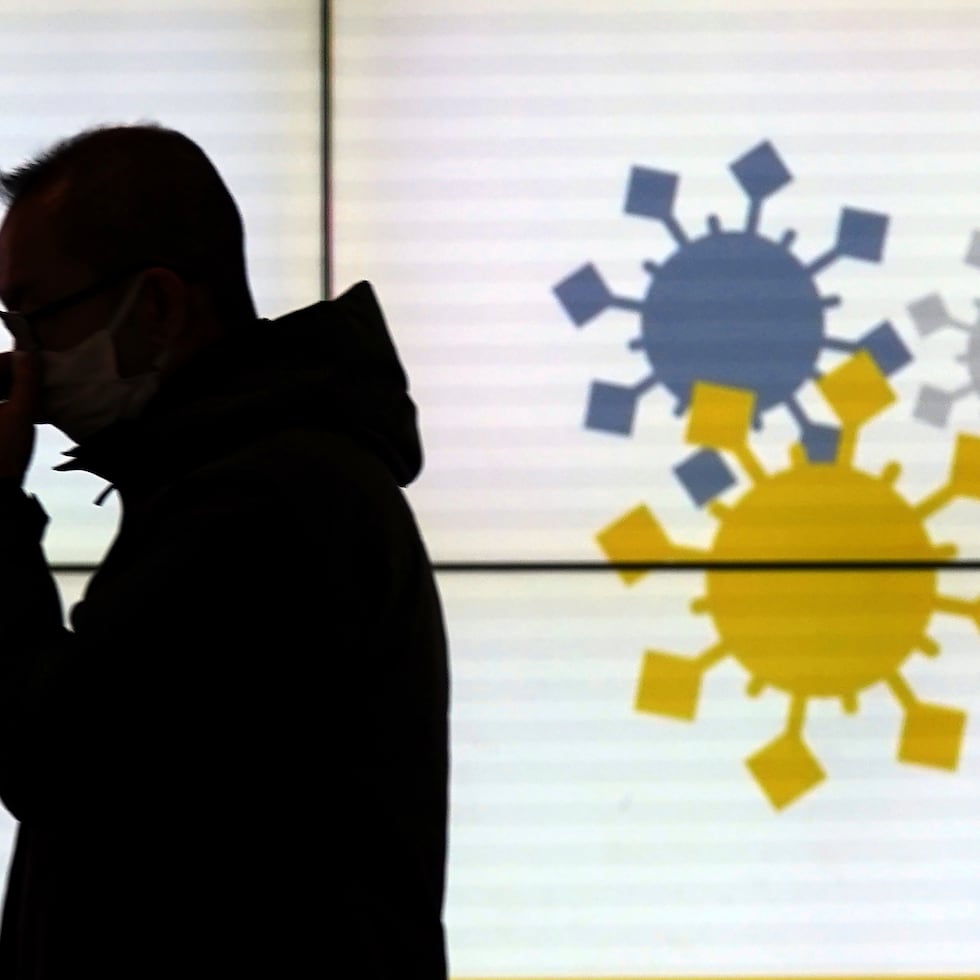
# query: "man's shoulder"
x,y
321,479
297,457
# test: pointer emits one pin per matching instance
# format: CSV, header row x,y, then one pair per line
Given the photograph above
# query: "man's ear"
x,y
167,304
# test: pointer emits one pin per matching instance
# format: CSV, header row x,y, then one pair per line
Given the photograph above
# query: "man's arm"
x,y
33,640
196,654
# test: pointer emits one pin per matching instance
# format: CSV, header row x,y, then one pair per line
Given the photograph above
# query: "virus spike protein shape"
x,y
929,314
731,307
870,622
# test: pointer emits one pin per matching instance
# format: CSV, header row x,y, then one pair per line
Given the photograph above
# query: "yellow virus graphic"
x,y
807,630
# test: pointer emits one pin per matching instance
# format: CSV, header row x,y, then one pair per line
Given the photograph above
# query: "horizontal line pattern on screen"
x,y
592,839
536,567
715,566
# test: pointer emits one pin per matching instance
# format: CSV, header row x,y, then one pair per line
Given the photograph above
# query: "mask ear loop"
x,y
126,306
123,310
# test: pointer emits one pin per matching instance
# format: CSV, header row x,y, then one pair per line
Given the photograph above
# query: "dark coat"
x,y
235,763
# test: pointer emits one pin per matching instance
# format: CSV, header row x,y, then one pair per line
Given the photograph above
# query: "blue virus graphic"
x,y
930,314
731,307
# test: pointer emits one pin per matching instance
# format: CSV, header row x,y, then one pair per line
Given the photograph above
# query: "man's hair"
x,y
138,196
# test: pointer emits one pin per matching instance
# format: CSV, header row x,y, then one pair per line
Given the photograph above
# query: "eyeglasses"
x,y
23,326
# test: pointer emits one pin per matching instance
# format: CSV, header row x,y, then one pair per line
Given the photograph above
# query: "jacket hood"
x,y
331,366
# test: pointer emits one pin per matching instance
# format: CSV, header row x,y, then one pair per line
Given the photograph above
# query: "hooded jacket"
x,y
234,763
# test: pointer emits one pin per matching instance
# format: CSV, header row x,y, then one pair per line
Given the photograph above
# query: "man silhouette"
x,y
234,762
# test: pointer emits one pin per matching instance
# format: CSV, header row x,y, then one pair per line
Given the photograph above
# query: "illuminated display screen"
x,y
689,283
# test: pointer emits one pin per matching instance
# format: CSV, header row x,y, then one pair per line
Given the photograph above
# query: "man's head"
x,y
113,207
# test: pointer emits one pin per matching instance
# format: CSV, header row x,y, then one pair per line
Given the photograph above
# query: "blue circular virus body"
x,y
733,308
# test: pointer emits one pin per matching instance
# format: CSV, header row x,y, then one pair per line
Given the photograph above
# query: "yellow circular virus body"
x,y
821,633
799,584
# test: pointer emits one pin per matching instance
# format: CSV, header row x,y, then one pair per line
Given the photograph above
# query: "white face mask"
x,y
82,391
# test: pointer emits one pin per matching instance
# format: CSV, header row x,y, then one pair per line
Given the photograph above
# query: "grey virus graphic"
x,y
731,307
930,314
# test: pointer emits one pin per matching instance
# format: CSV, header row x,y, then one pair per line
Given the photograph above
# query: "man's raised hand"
x,y
20,375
